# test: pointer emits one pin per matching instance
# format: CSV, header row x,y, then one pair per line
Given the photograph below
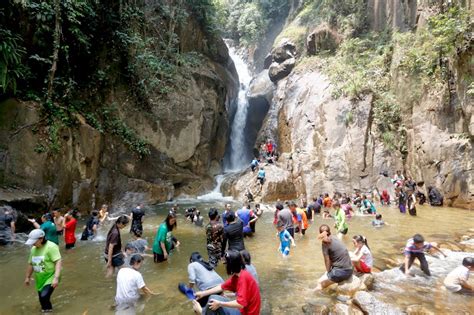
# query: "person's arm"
x,y
211,291
466,285
12,227
327,262
357,255
57,272
224,244
29,272
292,240
94,229
35,224
145,290
215,305
407,258
109,255
254,219
163,248
436,248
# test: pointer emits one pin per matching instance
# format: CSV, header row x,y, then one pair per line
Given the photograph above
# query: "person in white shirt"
x,y
456,280
362,257
129,285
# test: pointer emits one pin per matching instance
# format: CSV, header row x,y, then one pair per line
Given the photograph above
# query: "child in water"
x,y
362,257
457,280
378,222
340,218
285,239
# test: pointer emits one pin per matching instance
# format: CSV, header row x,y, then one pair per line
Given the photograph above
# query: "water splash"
x,y
216,193
239,151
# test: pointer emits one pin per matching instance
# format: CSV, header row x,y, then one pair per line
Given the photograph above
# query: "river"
x,y
284,282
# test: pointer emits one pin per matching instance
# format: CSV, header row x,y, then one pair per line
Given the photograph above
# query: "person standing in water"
x,y
164,241
58,221
129,286
227,210
340,219
416,248
7,225
103,213
247,217
258,212
90,230
411,202
215,237
70,229
137,216
402,199
48,227
233,234
336,258
113,254
45,263
286,240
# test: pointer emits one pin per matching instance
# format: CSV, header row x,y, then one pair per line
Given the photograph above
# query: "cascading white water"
x,y
239,157
215,194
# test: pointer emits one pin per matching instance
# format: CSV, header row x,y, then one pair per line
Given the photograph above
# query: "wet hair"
x,y
129,246
47,216
234,263
136,259
213,213
468,262
336,203
247,260
137,233
57,210
123,220
325,228
326,195
170,216
361,239
94,213
292,204
279,206
230,217
378,216
280,224
196,257
418,238
257,205
364,196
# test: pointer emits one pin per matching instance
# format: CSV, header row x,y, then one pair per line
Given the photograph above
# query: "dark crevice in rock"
x,y
370,119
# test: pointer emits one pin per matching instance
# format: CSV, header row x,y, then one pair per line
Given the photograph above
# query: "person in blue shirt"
x,y
247,217
225,213
261,176
254,164
367,206
285,240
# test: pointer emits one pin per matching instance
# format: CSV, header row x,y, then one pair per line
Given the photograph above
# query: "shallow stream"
x,y
284,282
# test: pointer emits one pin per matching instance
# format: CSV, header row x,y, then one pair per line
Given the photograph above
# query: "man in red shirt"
x,y
269,148
241,282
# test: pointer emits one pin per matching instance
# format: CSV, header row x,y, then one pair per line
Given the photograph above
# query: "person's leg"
x,y
291,231
45,297
323,282
221,311
423,264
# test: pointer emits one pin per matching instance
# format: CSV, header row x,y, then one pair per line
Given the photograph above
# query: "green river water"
x,y
284,282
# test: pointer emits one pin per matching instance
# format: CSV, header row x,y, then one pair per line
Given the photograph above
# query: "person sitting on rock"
x,y
261,176
336,259
457,280
362,257
415,248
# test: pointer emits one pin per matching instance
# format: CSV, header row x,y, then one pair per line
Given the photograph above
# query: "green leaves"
x,y
11,67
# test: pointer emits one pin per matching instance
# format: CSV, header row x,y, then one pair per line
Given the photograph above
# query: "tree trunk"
x,y
57,42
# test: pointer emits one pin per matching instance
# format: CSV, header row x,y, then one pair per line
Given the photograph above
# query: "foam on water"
x,y
216,194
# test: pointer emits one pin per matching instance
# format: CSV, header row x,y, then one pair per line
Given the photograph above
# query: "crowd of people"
x,y
226,232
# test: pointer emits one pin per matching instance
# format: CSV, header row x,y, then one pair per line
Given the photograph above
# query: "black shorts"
x,y
344,231
117,260
338,275
158,257
291,231
69,246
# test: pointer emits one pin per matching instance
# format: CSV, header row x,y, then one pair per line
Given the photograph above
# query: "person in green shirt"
x,y
164,240
48,227
340,218
45,262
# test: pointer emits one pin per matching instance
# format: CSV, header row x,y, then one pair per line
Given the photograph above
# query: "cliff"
x,y
358,95
131,140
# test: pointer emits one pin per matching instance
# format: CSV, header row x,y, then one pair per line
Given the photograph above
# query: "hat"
x,y
34,235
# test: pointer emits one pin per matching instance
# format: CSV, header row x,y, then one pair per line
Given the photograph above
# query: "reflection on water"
x,y
284,282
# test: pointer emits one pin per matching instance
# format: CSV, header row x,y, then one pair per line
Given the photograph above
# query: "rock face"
x,y
323,38
283,57
187,132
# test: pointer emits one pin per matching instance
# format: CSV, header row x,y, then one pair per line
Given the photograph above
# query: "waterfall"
x,y
215,194
239,153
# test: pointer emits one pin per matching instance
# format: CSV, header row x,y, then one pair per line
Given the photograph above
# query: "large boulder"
x,y
315,309
368,279
344,309
371,305
278,71
285,50
323,38
261,87
349,287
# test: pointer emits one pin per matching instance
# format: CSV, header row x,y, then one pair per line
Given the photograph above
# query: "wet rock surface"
x,y
371,305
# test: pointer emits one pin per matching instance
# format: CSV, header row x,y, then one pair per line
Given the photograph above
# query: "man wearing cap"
x,y
45,262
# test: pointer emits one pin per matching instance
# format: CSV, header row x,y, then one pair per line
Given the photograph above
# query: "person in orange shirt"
x,y
302,220
327,201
